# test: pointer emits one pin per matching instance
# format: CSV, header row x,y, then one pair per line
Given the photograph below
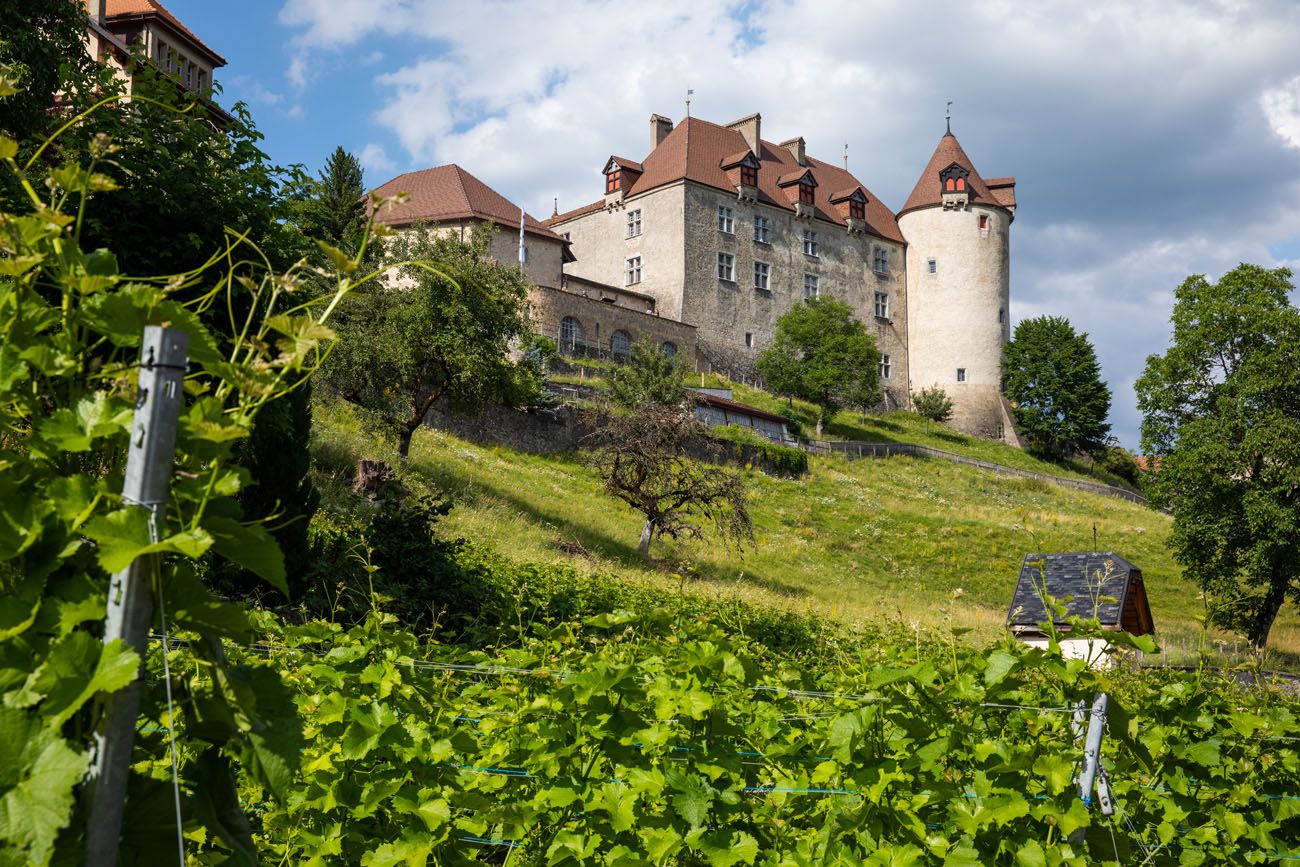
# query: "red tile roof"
x,y
928,191
696,150
576,212
1004,190
450,193
152,8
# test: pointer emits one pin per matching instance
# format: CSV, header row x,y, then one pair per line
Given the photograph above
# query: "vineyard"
x,y
661,739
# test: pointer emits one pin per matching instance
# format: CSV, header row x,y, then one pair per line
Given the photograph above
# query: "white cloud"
x,y
1281,106
1138,132
374,159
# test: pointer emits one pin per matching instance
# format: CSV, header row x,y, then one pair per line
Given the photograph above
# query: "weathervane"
x,y
846,156
688,102
948,117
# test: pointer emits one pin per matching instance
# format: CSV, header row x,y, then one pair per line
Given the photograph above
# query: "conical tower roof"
x,y
928,191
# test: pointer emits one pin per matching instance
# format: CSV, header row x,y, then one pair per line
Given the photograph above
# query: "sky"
x,y
1150,140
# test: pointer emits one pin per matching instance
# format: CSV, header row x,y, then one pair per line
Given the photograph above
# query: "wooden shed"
x,y
1098,584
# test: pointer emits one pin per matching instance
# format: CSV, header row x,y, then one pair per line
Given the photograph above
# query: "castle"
x,y
728,231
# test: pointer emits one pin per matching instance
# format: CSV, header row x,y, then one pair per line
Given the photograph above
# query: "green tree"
x,y
43,46
1051,376
821,354
1221,412
649,376
933,405
332,206
433,333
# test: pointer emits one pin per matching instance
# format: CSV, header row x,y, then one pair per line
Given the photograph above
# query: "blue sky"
x,y
1150,140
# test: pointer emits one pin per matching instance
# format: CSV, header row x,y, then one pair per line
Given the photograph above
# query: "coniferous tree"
x,y
332,207
1051,376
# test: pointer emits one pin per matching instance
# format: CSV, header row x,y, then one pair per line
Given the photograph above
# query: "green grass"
x,y
923,543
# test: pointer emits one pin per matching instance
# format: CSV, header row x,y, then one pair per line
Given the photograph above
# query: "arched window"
x,y
571,339
668,348
620,344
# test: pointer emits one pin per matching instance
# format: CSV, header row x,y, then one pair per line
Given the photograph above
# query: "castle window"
x,y
932,266
809,242
634,223
762,276
811,285
748,176
726,266
882,305
857,210
880,260
761,232
954,179
1002,315
619,344
668,348
612,182
633,270
961,374
884,366
805,193
749,340
726,220
571,339
984,225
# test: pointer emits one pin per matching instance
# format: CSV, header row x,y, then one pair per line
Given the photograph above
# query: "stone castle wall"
x,y
599,320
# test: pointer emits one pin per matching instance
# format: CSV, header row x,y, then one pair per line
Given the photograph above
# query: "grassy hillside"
x,y
928,544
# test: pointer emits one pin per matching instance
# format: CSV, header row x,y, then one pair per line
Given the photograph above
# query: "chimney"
x,y
795,146
751,129
659,129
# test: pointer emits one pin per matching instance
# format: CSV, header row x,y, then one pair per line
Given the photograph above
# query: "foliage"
x,y
1119,462
1052,377
649,376
823,354
70,328
645,460
750,448
933,405
659,738
43,48
1221,412
331,207
437,332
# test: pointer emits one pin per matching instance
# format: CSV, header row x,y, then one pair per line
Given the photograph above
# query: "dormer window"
x,y
805,192
612,181
749,175
954,179
857,210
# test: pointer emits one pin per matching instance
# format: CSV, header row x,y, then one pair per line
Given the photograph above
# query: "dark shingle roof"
x,y
1075,580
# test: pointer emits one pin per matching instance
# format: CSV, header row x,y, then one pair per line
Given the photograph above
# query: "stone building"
x,y
729,231
584,316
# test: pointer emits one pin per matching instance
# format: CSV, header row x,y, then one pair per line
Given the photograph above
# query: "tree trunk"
x,y
1268,613
819,425
404,435
647,536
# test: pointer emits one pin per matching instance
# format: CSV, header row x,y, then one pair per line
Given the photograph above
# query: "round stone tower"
x,y
958,231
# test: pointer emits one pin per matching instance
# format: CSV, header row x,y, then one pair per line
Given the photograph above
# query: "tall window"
x,y
884,366
761,232
882,305
811,285
619,344
571,338
634,223
749,340
984,225
805,193
633,270
611,182
932,266
726,266
809,242
726,220
762,276
961,374
880,260
857,210
749,176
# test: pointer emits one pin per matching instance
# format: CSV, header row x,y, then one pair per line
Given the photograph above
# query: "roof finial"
x,y
689,93
846,156
555,209
948,117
